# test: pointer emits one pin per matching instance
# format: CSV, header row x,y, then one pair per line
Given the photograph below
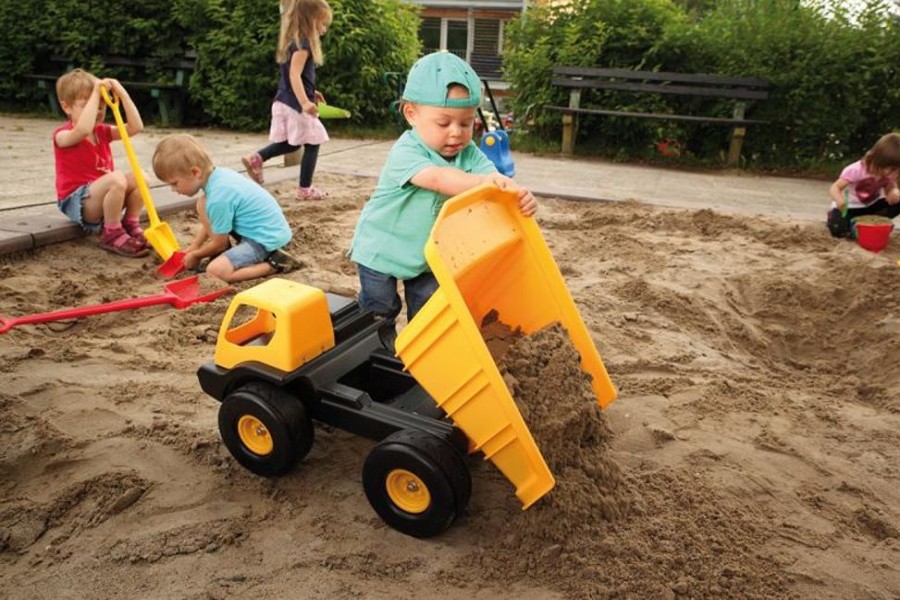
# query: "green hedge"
x,y
834,74
237,73
82,31
235,40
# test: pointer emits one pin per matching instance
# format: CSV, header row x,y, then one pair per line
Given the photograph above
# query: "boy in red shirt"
x,y
89,189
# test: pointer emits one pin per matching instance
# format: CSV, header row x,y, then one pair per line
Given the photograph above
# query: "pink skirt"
x,y
294,127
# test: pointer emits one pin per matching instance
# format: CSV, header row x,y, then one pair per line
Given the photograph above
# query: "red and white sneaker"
x,y
254,165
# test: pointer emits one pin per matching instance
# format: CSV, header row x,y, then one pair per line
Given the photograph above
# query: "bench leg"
x,y
734,148
162,102
55,108
51,98
737,136
568,134
292,159
170,104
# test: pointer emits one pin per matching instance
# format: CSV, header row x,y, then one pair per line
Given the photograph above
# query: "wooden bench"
x,y
170,92
743,90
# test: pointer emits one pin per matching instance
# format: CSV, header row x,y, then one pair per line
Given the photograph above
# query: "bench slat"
x,y
683,90
124,61
661,116
738,89
149,85
170,97
723,80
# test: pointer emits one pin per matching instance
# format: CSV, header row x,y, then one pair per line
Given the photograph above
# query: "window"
x,y
430,34
457,37
487,36
441,33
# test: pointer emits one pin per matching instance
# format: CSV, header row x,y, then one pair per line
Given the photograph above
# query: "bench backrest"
x,y
660,82
187,62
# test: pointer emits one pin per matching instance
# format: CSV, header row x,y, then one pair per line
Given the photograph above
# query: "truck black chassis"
x,y
360,387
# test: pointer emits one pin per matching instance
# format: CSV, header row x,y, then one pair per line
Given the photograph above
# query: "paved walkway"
x,y
28,217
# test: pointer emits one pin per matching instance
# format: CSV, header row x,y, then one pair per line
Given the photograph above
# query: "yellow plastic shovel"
x,y
159,234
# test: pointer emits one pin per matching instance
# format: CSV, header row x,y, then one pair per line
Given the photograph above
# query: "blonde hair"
x,y
74,85
300,21
884,155
177,153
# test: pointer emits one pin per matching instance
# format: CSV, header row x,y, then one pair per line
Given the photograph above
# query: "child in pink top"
x,y
867,187
88,188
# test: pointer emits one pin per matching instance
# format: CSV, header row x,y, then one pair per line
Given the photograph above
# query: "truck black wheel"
x,y
266,429
416,482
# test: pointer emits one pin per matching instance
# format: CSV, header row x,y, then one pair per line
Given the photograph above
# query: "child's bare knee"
x,y
220,268
118,181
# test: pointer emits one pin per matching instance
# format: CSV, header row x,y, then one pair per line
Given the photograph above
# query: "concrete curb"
x,y
30,232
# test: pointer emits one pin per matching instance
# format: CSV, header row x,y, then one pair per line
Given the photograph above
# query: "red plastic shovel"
x,y
173,266
180,294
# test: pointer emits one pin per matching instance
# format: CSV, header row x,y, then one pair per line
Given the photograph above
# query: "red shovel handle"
x,y
179,294
7,323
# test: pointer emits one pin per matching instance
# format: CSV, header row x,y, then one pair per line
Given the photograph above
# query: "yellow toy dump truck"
x,y
289,354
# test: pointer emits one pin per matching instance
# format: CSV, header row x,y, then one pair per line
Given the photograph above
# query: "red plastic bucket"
x,y
873,236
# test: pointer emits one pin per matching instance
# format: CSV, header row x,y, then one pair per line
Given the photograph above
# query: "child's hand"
x,y
501,181
310,108
893,196
115,86
319,97
191,260
527,202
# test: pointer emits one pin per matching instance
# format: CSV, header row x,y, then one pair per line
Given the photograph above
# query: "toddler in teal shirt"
x,y
430,163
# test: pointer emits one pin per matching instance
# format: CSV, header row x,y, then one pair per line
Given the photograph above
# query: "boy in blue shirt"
x,y
430,163
231,205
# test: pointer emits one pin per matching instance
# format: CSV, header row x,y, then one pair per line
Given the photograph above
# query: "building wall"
x,y
508,5
475,33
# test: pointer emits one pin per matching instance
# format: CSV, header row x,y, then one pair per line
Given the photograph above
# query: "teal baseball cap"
x,y
431,76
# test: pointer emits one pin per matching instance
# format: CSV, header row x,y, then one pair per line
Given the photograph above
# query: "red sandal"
x,y
133,228
119,242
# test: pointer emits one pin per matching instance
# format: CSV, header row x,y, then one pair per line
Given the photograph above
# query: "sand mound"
x,y
753,451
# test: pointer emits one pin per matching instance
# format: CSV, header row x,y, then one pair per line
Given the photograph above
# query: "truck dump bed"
x,y
487,257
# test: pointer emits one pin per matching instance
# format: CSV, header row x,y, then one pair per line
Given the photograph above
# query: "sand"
x,y
752,452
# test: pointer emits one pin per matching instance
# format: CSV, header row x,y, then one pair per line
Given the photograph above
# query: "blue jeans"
x,y
246,253
71,206
378,293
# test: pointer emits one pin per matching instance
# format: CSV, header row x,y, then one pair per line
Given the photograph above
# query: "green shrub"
x,y
235,40
827,68
367,38
83,32
20,22
237,74
833,72
546,36
608,33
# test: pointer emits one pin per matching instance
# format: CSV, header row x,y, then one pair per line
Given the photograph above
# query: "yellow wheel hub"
x,y
407,491
254,435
